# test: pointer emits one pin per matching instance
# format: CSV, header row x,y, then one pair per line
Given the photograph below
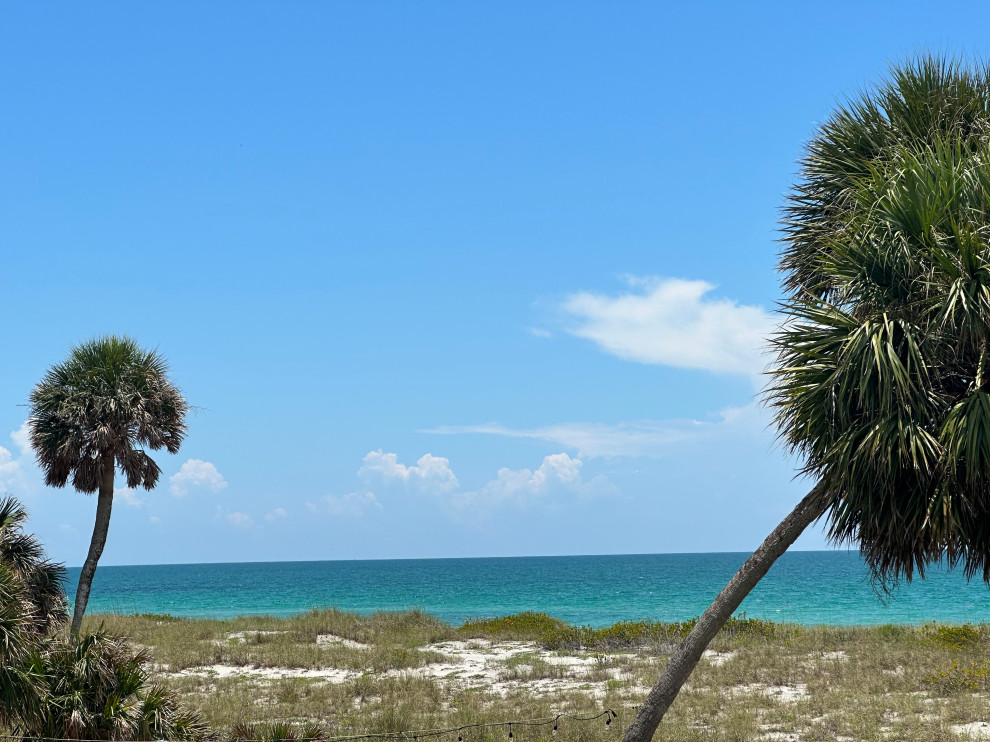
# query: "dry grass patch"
x,y
395,672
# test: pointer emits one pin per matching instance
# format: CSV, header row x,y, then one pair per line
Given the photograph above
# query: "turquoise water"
x,y
803,587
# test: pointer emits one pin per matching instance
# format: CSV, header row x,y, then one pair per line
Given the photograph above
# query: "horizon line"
x,y
463,558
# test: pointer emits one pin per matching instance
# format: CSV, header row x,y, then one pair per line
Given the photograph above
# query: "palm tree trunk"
x,y
104,504
683,662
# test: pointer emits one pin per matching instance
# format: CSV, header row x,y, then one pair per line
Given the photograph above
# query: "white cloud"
x,y
353,504
18,473
671,322
539,332
240,520
558,474
650,438
276,514
128,497
22,439
429,472
236,519
196,473
10,470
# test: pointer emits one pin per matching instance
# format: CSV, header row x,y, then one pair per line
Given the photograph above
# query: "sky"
x,y
440,279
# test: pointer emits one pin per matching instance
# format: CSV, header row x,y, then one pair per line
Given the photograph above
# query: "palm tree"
x,y
883,376
99,687
32,604
94,686
90,415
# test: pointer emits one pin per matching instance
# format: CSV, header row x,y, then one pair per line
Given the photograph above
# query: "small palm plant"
x,y
93,686
883,377
98,687
91,415
32,604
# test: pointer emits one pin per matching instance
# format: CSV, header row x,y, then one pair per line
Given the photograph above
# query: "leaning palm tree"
x,y
882,382
91,415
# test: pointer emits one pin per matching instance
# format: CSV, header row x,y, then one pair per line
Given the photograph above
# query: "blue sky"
x,y
442,279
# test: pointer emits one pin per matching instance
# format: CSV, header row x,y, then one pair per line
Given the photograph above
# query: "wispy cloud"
x,y
240,520
276,514
672,322
352,504
235,518
649,438
127,496
196,474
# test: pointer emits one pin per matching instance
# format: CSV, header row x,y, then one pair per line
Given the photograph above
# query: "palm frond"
x,y
882,381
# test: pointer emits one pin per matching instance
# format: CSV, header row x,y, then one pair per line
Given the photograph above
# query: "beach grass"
x,y
392,672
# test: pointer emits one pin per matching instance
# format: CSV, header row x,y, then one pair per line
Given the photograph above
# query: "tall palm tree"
x,y
90,415
883,376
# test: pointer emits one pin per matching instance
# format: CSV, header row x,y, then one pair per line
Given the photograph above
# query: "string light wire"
x,y
609,714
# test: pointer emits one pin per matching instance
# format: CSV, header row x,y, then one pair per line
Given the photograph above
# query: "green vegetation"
x,y
883,382
92,685
956,677
98,686
90,415
955,637
552,633
882,379
761,681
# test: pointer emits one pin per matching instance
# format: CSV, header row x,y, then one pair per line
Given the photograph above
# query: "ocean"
x,y
830,587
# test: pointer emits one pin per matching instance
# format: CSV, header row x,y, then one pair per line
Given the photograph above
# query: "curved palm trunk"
x,y
684,660
104,504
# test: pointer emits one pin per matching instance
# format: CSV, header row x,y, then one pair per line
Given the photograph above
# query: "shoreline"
x,y
242,617
807,588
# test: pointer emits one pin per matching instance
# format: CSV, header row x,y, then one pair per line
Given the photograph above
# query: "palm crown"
x,y
96,408
883,378
882,381
90,415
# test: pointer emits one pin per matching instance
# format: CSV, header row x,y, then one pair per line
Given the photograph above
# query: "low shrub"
x,y
522,626
953,637
741,625
278,731
554,634
974,676
890,632
161,618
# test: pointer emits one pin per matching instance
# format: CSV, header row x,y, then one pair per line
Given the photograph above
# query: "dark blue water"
x,y
803,587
